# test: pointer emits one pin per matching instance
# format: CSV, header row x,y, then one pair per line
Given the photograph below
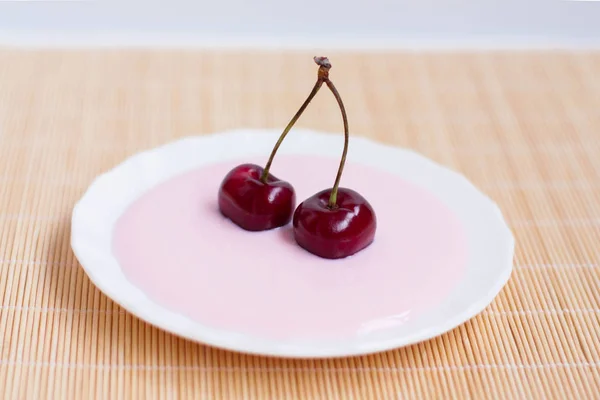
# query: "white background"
x,y
308,23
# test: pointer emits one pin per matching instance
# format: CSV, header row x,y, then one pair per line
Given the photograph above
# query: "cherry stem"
x,y
312,94
322,77
334,191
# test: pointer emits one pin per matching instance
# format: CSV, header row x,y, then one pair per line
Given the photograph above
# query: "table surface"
x,y
523,126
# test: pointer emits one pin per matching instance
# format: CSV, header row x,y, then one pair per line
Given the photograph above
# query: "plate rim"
x,y
92,262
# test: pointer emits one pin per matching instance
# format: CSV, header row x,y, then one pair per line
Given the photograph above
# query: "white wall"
x,y
304,22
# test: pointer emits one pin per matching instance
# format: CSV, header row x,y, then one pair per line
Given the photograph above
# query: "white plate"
x,y
490,241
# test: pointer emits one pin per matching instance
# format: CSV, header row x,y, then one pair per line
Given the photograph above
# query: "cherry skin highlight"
x,y
254,204
334,232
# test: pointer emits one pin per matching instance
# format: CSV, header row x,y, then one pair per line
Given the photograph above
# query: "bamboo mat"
x,y
524,127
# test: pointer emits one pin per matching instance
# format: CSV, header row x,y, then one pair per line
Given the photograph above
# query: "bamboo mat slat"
x,y
524,127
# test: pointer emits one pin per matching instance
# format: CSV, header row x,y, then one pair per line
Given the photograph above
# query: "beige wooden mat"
x,y
524,127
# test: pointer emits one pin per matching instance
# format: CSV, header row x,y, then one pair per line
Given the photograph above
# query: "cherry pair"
x,y
333,223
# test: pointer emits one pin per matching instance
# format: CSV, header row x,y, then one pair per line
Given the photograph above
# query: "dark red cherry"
x,y
255,205
334,232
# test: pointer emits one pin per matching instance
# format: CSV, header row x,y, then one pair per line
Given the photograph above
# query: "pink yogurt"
x,y
175,246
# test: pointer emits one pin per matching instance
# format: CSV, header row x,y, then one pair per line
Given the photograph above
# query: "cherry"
x,y
254,199
334,232
255,205
337,222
